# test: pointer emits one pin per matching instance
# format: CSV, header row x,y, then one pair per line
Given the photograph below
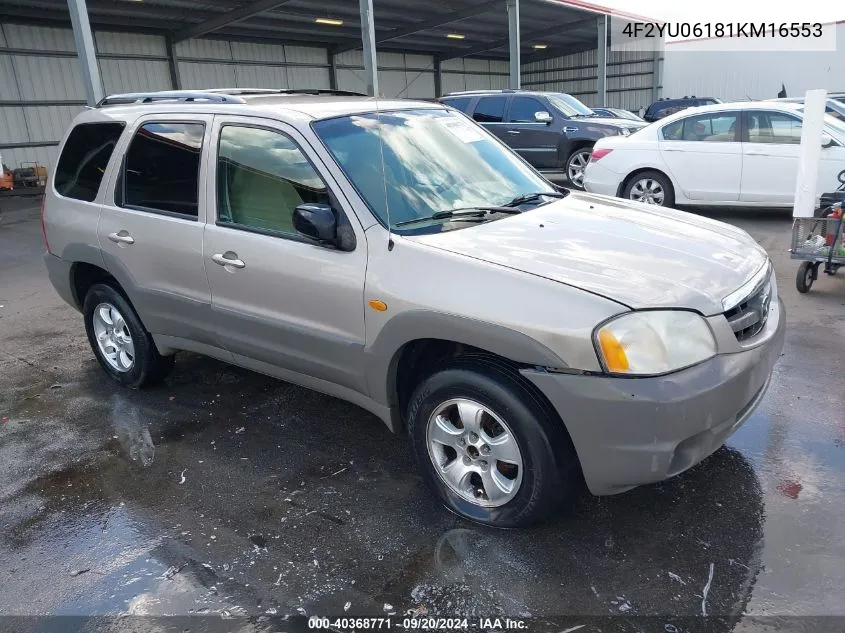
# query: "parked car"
x,y
730,154
553,131
834,108
666,106
616,113
516,331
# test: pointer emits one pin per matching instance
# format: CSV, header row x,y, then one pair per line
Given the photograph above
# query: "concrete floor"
x,y
227,492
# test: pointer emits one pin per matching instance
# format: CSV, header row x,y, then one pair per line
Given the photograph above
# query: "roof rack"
x,y
285,91
187,96
215,95
479,92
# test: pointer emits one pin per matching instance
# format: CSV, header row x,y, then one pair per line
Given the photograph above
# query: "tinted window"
x,y
161,170
84,159
489,110
460,103
262,176
713,128
523,109
773,127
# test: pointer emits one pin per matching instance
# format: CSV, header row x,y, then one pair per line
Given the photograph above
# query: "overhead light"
x,y
541,46
455,36
329,21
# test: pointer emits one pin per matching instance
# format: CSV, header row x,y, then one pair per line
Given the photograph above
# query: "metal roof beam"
x,y
442,20
230,17
489,46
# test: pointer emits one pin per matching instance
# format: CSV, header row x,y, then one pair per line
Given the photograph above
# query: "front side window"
x,y
489,110
523,109
773,127
711,128
84,159
161,170
426,160
262,176
568,105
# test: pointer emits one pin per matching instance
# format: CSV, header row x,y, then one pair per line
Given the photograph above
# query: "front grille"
x,y
749,317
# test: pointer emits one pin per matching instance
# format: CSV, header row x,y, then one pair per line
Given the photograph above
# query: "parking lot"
x,y
224,491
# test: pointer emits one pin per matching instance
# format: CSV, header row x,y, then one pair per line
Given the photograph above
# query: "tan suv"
x,y
398,256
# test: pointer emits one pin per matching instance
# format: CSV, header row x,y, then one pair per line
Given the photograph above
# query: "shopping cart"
x,y
818,242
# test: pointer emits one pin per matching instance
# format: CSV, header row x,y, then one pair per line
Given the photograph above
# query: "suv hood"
x,y
636,254
629,123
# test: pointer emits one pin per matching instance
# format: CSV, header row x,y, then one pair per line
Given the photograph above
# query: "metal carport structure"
x,y
387,47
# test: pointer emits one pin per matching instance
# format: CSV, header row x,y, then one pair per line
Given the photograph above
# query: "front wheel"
x,y
650,187
576,164
488,446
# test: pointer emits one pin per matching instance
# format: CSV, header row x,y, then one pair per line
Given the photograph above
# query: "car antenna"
x,y
384,177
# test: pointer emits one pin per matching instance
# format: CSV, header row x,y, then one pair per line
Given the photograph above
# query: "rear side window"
x,y
459,103
489,110
84,159
161,168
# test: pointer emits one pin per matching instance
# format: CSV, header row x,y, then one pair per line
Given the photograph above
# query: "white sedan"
x,y
731,154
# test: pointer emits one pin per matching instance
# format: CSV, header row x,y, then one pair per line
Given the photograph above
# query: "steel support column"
x,y
172,64
601,62
655,75
332,69
513,44
368,38
85,51
438,77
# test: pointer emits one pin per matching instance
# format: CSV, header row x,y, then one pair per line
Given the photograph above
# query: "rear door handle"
x,y
121,237
232,260
751,152
672,149
513,131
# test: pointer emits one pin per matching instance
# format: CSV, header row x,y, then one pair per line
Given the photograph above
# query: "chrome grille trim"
x,y
749,316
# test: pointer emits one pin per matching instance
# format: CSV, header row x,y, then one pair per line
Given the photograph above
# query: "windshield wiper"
x,y
462,212
529,197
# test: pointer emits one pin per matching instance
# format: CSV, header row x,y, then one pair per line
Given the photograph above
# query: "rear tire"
x,y
122,345
650,187
575,165
805,277
513,472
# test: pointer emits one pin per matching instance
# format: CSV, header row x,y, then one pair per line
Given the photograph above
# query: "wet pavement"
x,y
227,493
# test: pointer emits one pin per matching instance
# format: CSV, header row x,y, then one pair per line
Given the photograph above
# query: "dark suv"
x,y
665,107
552,130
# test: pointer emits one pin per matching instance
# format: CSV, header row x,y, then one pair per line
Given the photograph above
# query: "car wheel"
x,y
650,187
805,277
575,165
123,347
488,445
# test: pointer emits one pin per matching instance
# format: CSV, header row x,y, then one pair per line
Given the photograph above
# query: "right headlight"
x,y
653,342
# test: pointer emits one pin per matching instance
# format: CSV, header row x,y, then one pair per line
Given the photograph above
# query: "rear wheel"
x,y
488,446
805,277
650,187
123,347
575,165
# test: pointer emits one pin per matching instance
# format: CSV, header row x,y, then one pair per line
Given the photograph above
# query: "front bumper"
x,y
632,431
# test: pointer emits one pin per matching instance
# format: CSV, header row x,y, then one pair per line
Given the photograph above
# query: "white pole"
x,y
809,154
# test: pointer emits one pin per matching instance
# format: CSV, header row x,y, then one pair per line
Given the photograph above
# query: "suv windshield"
x,y
568,105
434,160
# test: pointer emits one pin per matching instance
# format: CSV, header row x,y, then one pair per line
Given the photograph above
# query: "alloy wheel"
x,y
113,337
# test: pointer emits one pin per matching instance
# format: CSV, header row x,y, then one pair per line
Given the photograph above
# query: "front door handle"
x,y
751,152
513,131
570,129
121,237
232,259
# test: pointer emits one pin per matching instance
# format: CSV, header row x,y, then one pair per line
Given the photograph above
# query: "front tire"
x,y
123,347
489,446
650,187
575,165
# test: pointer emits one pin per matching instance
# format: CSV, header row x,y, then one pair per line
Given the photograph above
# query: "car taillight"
x,y
599,154
44,228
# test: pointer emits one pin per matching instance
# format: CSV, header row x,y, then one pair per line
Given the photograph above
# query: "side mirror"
x,y
543,117
316,221
827,140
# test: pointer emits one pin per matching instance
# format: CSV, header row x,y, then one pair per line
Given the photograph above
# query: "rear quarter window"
x,y
84,159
